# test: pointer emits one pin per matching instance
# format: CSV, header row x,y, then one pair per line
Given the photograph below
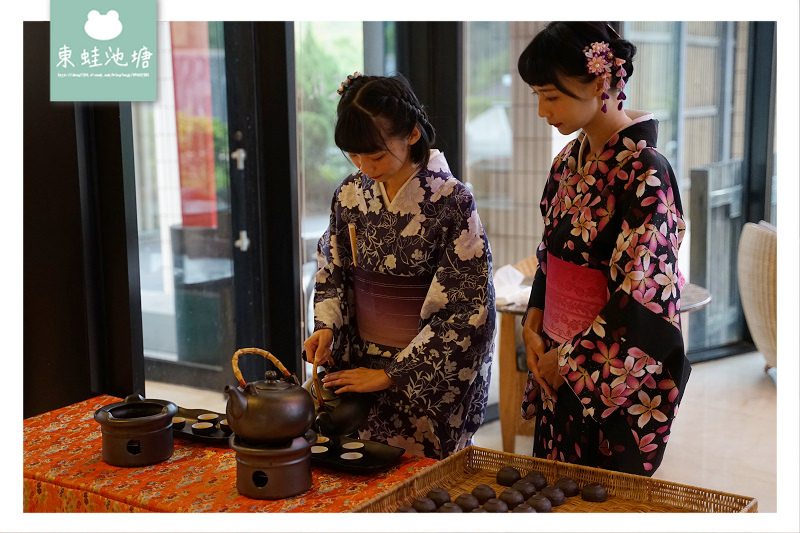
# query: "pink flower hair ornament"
x,y
346,83
600,62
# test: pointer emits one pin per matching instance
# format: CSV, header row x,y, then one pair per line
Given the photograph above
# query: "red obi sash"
x,y
388,307
574,295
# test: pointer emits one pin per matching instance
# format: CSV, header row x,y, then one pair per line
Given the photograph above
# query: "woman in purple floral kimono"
x,y
602,331
404,302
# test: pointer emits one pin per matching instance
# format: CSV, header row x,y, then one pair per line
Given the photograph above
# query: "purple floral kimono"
x,y
618,213
431,236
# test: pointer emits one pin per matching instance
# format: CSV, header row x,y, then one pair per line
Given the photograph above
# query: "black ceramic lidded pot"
x,y
272,437
136,432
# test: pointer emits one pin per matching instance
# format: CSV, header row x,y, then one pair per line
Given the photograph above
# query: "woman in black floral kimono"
x,y
602,331
404,302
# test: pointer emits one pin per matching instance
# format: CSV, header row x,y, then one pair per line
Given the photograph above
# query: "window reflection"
x,y
690,75
325,53
182,188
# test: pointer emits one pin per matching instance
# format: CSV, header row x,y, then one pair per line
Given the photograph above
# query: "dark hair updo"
x,y
369,98
557,51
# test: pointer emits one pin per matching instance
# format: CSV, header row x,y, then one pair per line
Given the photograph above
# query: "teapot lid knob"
x,y
271,375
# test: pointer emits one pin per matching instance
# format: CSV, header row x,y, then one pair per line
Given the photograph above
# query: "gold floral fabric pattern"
x,y
64,472
430,230
619,213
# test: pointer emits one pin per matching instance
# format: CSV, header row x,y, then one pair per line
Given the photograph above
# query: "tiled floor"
x,y
724,438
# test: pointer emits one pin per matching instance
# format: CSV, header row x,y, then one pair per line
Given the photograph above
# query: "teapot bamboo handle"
x,y
258,351
315,383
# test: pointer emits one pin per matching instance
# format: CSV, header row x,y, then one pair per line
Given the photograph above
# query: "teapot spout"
x,y
237,402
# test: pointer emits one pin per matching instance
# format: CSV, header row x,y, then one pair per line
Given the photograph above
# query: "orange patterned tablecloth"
x,y
64,471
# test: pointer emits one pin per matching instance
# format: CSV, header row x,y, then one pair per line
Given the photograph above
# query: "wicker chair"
x,y
757,271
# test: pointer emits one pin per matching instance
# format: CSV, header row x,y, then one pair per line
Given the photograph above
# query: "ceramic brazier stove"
x,y
272,436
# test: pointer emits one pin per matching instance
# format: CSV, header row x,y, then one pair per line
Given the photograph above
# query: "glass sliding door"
x,y
325,53
184,213
216,193
508,149
698,71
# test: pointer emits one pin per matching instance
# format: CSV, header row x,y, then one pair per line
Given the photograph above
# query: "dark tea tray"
x,y
217,437
374,455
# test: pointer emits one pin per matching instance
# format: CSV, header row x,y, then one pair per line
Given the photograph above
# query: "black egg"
x,y
525,487
537,479
424,505
483,493
554,494
512,497
467,502
439,496
523,508
507,475
450,507
594,492
494,505
568,486
540,503
405,509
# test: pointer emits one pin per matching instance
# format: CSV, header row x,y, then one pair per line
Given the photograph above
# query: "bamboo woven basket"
x,y
627,493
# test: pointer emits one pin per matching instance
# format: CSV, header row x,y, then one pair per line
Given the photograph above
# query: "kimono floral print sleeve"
x,y
619,214
441,364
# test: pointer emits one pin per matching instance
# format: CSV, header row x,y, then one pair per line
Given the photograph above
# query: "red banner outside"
x,y
194,115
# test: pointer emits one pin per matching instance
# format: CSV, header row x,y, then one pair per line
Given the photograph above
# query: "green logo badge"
x,y
103,50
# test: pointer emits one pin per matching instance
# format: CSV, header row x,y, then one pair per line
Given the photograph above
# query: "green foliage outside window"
x,y
325,54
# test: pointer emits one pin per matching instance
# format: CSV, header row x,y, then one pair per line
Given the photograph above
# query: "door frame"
x,y
259,73
82,331
262,122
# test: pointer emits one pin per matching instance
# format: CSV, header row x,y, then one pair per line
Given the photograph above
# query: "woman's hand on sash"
x,y
535,347
357,380
318,346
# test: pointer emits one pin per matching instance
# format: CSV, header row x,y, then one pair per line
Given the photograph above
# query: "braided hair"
x,y
557,51
374,109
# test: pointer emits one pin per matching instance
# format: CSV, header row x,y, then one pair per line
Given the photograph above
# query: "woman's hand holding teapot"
x,y
318,347
357,380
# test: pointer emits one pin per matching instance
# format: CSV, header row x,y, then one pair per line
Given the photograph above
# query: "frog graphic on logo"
x,y
102,27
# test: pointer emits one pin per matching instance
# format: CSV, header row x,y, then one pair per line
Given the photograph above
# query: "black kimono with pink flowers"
x,y
618,212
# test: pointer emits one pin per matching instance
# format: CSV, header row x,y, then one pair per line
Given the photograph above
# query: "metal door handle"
x,y
239,155
243,242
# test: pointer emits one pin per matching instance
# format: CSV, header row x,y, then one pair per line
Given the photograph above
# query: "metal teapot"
x,y
270,411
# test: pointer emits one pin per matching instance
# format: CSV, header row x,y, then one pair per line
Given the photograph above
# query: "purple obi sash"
x,y
574,295
388,306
